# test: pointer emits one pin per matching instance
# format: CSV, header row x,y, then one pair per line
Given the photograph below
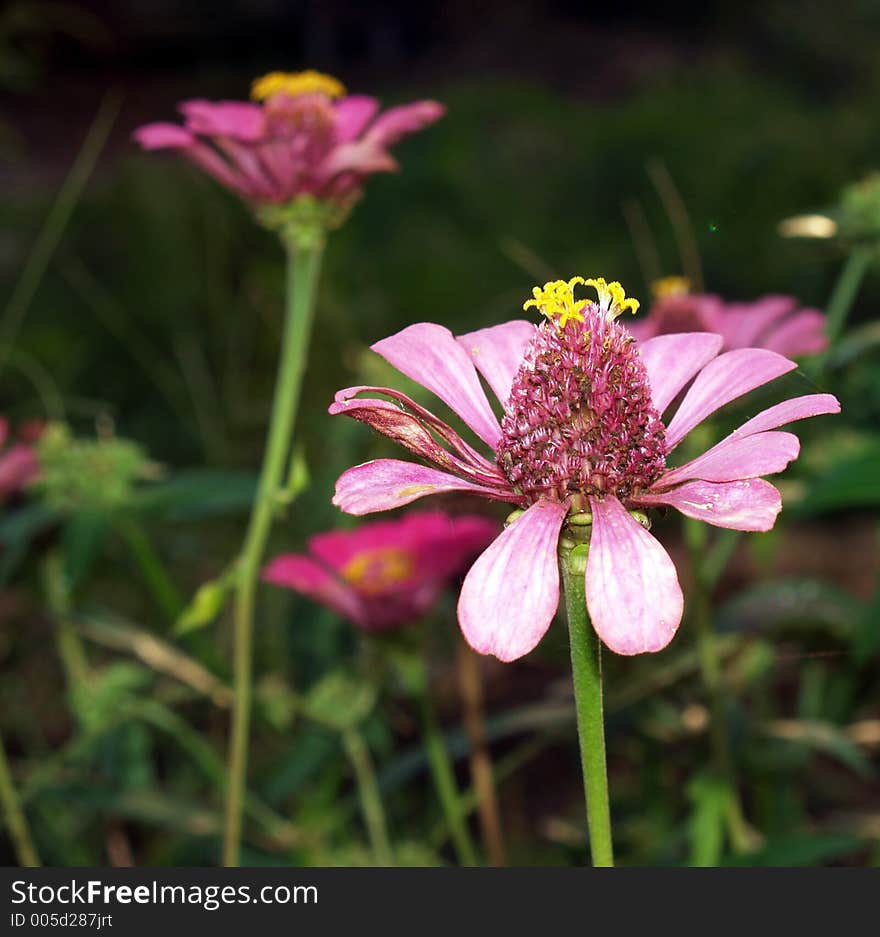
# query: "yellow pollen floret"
x,y
296,83
612,298
670,286
556,301
375,571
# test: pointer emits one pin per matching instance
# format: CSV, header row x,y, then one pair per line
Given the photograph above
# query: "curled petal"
x,y
633,595
385,484
303,575
498,353
798,408
737,457
672,360
430,355
725,379
347,402
511,593
749,504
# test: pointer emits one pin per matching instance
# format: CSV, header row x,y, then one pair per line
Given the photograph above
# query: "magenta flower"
x,y
583,432
18,459
773,322
387,573
300,136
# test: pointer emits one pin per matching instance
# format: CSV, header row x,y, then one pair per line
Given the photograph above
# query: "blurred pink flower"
x,y
300,136
18,459
582,431
387,573
772,322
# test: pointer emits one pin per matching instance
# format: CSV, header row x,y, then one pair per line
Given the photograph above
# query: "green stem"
x,y
586,666
845,291
70,648
710,672
16,822
444,777
303,266
55,224
152,569
371,799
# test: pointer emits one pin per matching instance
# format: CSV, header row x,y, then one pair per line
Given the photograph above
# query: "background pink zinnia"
x,y
387,573
303,137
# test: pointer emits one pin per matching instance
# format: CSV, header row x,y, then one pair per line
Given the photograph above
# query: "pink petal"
x,y
18,467
727,377
672,360
302,574
748,504
362,157
802,333
240,120
498,353
385,484
744,324
632,589
510,595
161,136
436,542
798,408
470,463
430,355
397,122
352,114
737,457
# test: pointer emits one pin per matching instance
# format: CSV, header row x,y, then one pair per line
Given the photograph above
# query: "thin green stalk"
x,y
70,648
53,228
152,568
303,266
444,778
586,666
16,823
371,799
710,672
845,291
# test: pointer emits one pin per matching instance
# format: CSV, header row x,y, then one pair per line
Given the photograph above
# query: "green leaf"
x,y
776,604
798,850
199,493
711,798
852,482
824,737
206,604
17,532
83,538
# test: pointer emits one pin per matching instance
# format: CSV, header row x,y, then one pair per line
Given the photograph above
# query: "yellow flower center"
x,y
557,301
296,83
375,571
670,286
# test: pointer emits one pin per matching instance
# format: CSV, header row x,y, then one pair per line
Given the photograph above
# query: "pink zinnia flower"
x,y
774,322
583,431
300,136
387,573
18,460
